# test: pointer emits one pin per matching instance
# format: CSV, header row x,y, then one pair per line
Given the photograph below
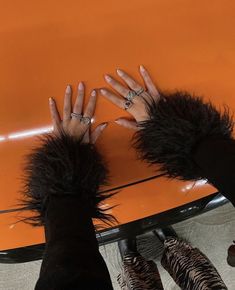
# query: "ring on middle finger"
x,y
130,96
76,116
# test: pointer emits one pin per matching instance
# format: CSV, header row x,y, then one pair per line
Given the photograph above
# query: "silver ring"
x,y
86,120
140,91
76,115
128,105
131,94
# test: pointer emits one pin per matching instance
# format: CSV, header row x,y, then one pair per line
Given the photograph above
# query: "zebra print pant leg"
x,y
139,274
190,268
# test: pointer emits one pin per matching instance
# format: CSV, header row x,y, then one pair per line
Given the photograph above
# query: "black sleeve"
x,y
61,186
190,140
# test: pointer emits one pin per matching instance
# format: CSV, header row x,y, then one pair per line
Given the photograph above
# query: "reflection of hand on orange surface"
x,y
79,124
138,106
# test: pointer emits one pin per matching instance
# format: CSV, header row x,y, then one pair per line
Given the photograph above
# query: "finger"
x,y
127,123
86,137
90,109
55,116
97,132
129,80
67,104
112,97
122,90
79,100
149,83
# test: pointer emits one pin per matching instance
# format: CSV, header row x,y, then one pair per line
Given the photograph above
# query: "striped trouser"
x,y
189,268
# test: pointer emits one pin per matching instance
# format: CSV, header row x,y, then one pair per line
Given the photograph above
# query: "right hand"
x,y
74,126
138,109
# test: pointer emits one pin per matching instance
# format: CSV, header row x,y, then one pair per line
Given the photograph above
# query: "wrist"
x,y
68,218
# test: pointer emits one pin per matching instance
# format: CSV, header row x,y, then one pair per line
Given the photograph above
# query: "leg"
x,y
231,255
137,273
189,268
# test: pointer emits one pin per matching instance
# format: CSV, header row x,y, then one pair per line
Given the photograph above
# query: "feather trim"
x,y
64,166
177,123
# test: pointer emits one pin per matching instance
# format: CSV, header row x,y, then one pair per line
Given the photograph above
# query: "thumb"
x,y
97,132
127,123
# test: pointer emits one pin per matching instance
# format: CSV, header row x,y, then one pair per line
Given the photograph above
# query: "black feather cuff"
x,y
63,166
178,122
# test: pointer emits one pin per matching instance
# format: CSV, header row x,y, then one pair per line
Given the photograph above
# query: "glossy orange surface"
x,y
47,44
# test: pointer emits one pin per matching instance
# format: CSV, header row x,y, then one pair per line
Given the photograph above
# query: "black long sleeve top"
x,y
190,140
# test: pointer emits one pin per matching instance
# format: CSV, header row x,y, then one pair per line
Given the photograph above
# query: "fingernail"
x,y
51,100
142,68
108,78
80,86
93,93
117,121
104,125
120,72
103,92
68,89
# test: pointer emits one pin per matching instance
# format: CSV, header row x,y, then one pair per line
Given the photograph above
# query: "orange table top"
x,y
47,44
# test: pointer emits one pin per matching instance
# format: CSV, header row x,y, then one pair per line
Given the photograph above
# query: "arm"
x,y
187,137
62,180
190,140
63,177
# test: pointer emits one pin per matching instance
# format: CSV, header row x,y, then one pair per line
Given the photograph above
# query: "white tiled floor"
x,y
212,232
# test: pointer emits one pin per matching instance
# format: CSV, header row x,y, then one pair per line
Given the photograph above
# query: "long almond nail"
x,y
68,89
80,86
117,121
104,125
108,78
142,69
51,101
93,93
103,92
120,72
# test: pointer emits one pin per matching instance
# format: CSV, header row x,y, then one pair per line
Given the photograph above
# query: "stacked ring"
x,y
84,120
131,94
77,116
139,92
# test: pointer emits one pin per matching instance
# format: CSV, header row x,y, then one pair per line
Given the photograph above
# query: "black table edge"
x,y
119,232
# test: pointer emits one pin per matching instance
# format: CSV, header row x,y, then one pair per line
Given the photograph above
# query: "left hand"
x,y
138,107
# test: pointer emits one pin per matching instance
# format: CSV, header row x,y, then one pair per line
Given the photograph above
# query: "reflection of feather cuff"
x,y
63,166
178,122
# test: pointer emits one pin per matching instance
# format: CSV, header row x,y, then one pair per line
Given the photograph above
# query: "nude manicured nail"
x,y
142,68
103,92
80,86
51,101
120,72
68,89
104,125
93,93
108,78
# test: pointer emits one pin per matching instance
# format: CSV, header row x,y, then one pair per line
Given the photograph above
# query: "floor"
x,y
212,232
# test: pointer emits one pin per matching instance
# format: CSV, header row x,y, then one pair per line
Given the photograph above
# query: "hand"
x,y
138,109
76,127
